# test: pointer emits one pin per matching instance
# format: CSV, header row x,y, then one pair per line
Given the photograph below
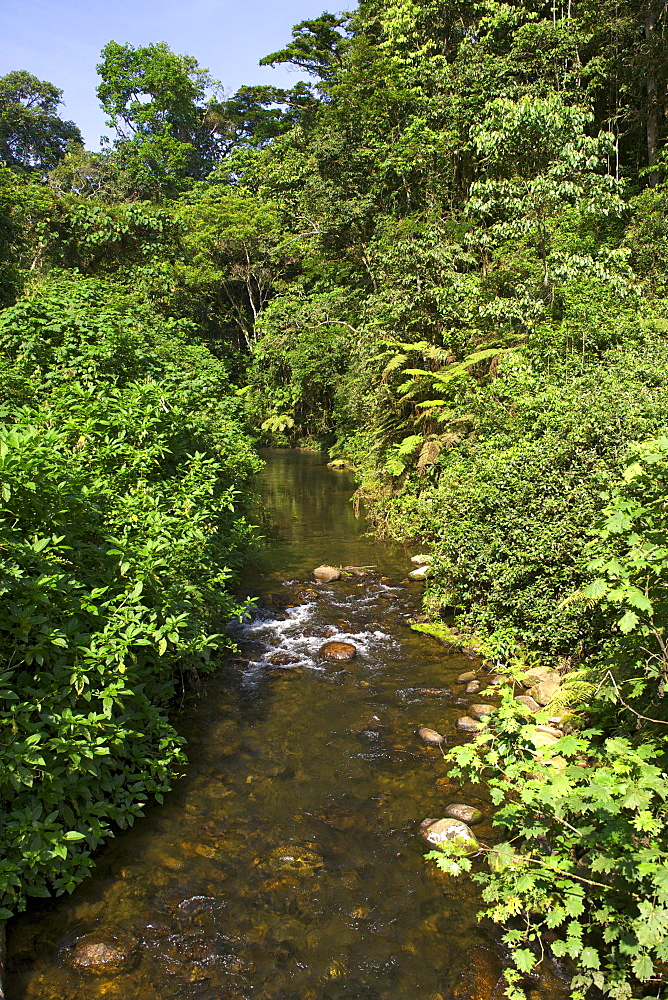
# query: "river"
x,y
286,862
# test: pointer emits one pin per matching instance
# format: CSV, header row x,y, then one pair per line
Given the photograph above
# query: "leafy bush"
x,y
121,461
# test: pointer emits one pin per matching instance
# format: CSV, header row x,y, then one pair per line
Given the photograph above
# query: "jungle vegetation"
x,y
444,258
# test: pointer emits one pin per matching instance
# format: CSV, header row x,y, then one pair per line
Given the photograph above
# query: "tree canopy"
x,y
32,135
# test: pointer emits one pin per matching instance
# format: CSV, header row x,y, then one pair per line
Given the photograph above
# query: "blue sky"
x,y
60,41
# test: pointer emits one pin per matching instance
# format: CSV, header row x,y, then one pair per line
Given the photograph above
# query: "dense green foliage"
x,y
445,258
121,465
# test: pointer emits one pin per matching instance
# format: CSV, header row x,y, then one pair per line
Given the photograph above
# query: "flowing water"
x,y
286,862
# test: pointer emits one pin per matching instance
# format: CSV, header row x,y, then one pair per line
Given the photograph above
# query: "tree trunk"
x,y
3,956
652,89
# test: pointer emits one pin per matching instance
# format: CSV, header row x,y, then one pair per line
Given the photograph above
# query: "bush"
x,y
121,461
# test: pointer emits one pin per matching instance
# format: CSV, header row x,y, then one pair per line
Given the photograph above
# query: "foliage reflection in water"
x,y
286,862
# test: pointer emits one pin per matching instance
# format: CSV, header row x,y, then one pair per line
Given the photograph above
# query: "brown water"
x,y
285,864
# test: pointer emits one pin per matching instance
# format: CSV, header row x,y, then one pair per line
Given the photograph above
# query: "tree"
x,y
165,111
32,135
235,253
317,46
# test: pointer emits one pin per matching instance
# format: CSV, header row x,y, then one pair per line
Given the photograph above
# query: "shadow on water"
x,y
285,864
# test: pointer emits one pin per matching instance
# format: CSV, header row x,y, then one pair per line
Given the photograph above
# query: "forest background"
x,y
445,259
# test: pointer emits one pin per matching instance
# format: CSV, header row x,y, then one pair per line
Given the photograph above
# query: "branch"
x,y
646,718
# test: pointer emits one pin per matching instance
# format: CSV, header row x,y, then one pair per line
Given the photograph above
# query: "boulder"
x,y
543,739
325,574
468,725
544,691
100,953
528,702
430,736
466,814
421,560
338,651
481,711
552,730
468,675
421,573
536,674
472,687
425,824
445,830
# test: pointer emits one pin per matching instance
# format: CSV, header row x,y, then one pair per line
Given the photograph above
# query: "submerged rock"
x,y
468,725
444,830
467,814
283,659
102,953
479,977
306,594
430,736
338,651
446,786
325,574
473,687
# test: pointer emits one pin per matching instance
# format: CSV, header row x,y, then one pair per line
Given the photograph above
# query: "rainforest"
x,y
442,258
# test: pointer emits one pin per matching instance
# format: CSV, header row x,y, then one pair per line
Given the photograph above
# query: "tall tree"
x,y
166,114
32,134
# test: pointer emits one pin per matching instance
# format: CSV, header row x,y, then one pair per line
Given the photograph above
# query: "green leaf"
x,y
589,958
628,622
643,968
524,959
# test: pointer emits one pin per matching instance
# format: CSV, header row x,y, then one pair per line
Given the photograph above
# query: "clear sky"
x,y
60,41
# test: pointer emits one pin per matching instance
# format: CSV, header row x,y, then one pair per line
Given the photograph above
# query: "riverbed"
x,y
286,864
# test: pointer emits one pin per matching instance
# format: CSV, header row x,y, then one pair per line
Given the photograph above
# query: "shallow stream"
x,y
286,862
